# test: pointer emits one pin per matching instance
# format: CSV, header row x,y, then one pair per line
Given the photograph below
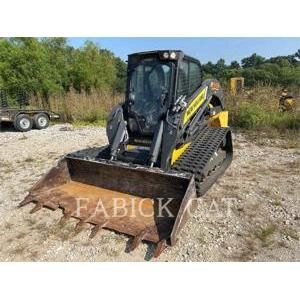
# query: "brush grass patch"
x,y
94,117
266,232
101,123
85,109
254,116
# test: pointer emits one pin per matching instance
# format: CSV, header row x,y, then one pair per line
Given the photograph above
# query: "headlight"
x,y
173,55
165,55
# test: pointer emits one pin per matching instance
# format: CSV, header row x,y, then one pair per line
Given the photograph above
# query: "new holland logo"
x,y
194,105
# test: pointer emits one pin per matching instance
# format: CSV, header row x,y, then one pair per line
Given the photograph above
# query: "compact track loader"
x,y
169,141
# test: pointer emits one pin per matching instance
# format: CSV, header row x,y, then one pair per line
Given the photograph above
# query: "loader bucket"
x,y
145,203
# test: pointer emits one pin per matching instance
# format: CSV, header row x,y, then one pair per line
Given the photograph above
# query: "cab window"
x,y
189,78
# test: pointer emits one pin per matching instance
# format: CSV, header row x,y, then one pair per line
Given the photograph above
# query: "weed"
x,y
24,137
29,160
265,232
19,250
21,235
8,226
277,202
291,232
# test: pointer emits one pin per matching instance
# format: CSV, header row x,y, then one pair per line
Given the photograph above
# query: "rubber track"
x,y
195,160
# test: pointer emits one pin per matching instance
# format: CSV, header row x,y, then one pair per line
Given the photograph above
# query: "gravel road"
x,y
251,214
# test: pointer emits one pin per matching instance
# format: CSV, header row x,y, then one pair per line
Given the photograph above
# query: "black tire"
x,y
23,123
41,121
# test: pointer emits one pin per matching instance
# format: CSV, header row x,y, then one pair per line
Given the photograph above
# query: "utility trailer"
x,y
24,119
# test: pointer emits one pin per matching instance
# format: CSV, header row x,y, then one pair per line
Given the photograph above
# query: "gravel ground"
x,y
251,214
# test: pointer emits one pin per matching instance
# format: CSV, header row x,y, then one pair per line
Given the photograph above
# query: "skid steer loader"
x,y
169,141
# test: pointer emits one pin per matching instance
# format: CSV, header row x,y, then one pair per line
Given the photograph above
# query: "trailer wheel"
x,y
41,121
23,123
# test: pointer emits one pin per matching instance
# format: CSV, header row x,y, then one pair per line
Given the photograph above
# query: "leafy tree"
x,y
220,67
234,65
93,68
209,68
25,65
279,70
49,66
252,61
60,58
120,83
297,55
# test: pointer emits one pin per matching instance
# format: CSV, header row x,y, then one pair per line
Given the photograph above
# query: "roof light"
x,y
173,55
165,55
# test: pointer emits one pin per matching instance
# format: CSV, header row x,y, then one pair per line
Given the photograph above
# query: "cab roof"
x,y
180,54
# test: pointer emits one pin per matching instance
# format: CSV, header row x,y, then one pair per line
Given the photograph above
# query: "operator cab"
x,y
155,80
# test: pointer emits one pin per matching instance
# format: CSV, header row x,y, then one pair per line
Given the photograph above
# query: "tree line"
x,y
47,66
256,69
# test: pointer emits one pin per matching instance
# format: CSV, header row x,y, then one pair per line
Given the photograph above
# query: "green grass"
x,y
254,116
79,123
95,117
287,120
266,232
246,116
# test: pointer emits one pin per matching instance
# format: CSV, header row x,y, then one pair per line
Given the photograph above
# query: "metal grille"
x,y
3,99
183,82
194,77
189,78
22,98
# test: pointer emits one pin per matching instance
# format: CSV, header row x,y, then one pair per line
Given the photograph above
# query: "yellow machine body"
x,y
236,85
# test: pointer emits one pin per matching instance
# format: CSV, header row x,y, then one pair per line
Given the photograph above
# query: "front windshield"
x,y
149,82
